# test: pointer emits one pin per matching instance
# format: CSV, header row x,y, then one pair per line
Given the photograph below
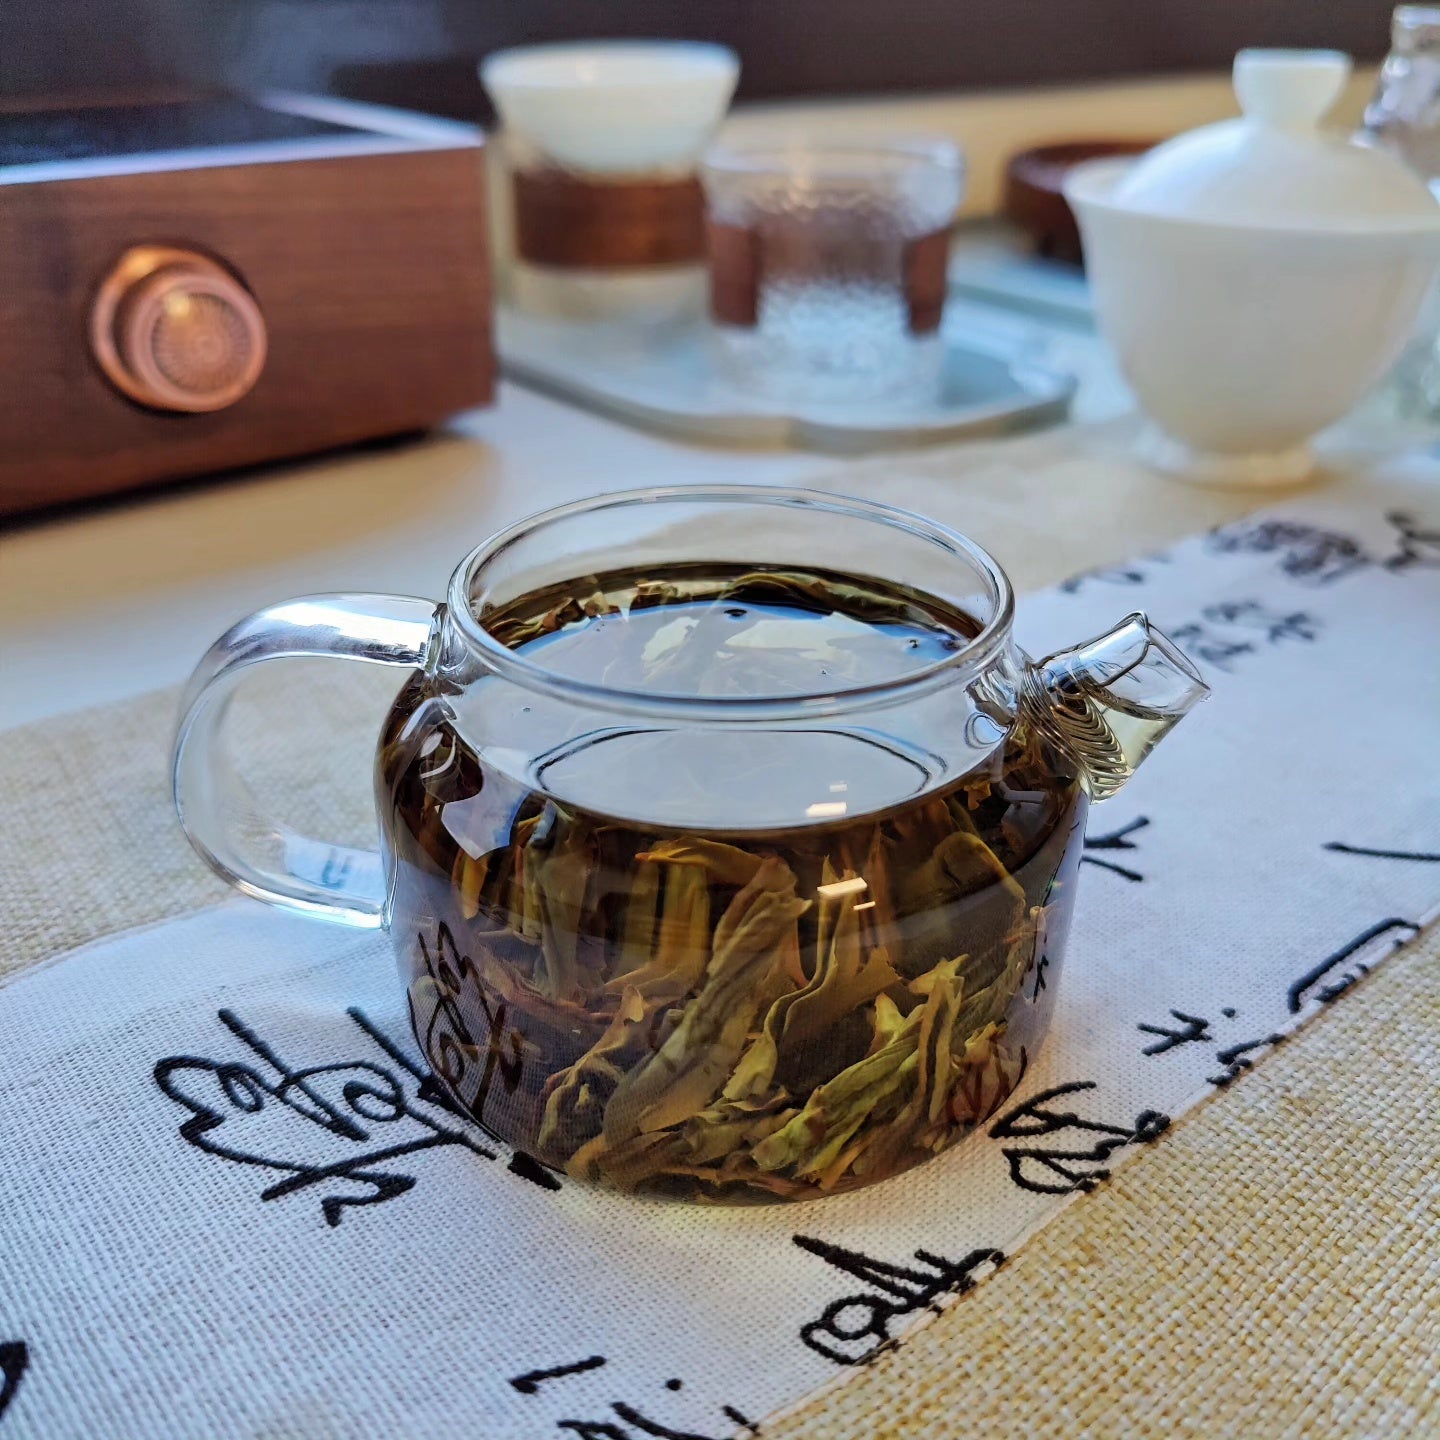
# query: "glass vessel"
x,y
727,836
1403,116
1404,112
827,265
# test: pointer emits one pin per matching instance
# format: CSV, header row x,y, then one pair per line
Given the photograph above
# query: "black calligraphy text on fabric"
x,y
325,1126
1340,975
1305,552
448,1039
1422,857
1115,840
1417,543
530,1382
1317,556
14,1359
1060,1168
1193,1028
855,1328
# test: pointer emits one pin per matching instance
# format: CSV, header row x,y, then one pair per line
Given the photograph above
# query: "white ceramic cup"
x,y
608,109
614,106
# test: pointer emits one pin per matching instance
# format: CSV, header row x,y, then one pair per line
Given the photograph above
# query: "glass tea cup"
x,y
714,869
827,264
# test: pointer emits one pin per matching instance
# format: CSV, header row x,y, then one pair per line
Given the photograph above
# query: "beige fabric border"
x,y
1272,1267
89,844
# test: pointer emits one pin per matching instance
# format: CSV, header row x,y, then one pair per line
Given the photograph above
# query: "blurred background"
x,y
422,53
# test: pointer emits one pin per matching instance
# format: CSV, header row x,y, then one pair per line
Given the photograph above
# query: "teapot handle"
x,y
217,810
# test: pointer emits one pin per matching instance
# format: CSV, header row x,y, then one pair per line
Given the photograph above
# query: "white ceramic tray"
x,y
662,377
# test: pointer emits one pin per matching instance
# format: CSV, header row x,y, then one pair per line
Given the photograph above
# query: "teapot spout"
x,y
1111,700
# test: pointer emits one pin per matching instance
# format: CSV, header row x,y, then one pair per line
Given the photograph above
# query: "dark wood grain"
x,y
569,221
1034,192
370,271
924,262
733,252
740,257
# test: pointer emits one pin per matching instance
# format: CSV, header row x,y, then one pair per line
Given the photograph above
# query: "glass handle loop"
x,y
217,809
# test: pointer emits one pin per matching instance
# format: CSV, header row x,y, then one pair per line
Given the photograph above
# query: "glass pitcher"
x,y
728,840
1403,116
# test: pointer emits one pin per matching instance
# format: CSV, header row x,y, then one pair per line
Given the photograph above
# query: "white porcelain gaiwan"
x,y
1256,277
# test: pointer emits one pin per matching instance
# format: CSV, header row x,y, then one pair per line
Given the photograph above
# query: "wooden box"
x,y
337,286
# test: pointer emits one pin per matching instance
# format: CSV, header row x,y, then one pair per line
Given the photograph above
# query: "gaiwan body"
x,y
1256,277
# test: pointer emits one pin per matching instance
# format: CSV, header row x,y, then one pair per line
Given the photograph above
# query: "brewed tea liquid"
x,y
742,962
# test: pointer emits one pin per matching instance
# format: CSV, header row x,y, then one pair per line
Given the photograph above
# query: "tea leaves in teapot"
x,y
712,1009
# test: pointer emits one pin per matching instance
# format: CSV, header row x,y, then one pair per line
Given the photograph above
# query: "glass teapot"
x,y
728,841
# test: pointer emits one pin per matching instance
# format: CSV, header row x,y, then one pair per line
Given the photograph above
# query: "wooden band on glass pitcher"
x,y
737,257
572,222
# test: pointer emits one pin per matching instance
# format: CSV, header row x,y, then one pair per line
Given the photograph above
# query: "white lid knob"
x,y
1289,89
1275,167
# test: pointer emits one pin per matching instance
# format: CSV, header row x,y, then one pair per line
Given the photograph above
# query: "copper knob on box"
x,y
177,330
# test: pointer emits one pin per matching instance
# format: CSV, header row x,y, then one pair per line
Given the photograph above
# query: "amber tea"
x,y
761,962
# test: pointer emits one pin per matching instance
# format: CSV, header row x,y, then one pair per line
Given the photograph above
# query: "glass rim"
x,y
970,658
830,157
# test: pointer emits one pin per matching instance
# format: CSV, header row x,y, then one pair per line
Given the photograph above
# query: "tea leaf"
x,y
649,593
726,864
687,1071
515,633
754,1075
726,1127
887,1021
499,972
637,935
881,917
683,939
845,980
942,989
625,1166
837,1108
883,1150
575,1097
985,1075
561,880
468,876
528,918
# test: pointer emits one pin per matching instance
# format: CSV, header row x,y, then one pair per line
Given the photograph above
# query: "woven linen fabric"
x,y
89,843
1269,1268
214,1018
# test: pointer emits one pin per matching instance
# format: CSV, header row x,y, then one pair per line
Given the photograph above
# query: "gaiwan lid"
x,y
1275,166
